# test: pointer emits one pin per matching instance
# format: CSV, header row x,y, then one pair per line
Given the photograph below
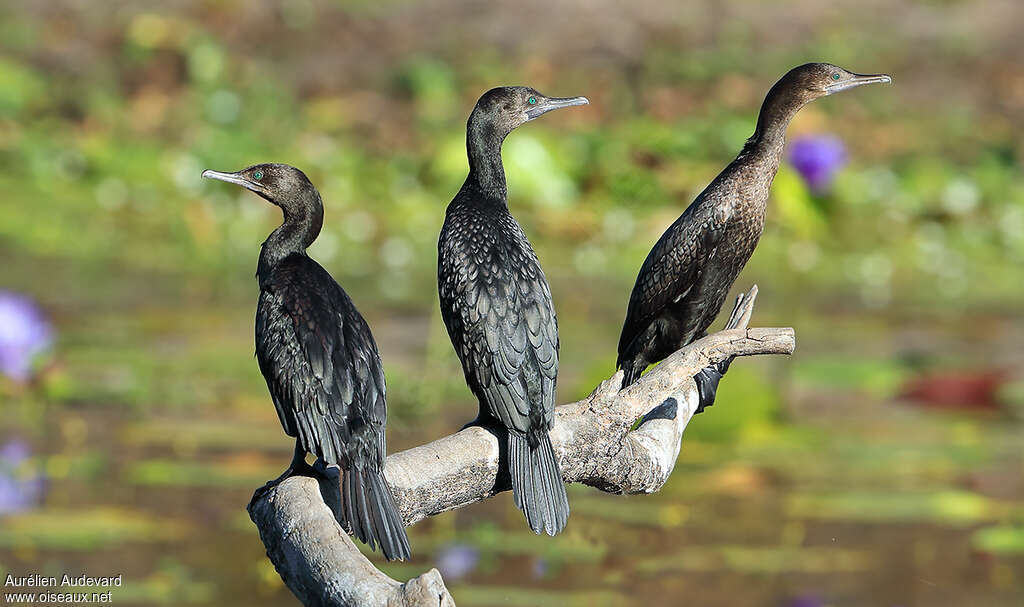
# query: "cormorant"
x,y
688,273
496,304
320,360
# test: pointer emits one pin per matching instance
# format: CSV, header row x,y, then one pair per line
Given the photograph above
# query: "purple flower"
x,y
540,568
14,453
24,334
817,158
457,561
21,486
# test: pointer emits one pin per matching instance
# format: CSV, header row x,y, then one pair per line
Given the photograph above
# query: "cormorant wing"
x,y
673,267
500,316
320,362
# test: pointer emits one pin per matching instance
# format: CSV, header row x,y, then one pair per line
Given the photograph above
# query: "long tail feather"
x,y
372,515
537,485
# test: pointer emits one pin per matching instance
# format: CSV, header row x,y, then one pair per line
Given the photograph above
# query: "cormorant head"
x,y
506,107
812,80
281,184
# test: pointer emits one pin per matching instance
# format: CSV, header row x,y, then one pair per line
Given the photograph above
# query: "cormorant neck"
x,y
303,219
778,109
483,145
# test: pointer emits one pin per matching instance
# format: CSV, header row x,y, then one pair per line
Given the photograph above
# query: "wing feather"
x,y
321,364
497,307
672,269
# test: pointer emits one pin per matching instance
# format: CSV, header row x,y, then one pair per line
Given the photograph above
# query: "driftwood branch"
x,y
592,439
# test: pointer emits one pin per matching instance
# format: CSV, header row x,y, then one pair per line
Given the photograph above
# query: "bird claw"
x,y
298,467
707,383
269,485
708,377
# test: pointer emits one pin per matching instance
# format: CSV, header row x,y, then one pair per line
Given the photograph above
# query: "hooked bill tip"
x,y
872,78
571,101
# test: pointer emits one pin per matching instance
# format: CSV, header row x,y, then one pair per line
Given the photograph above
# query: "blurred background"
x,y
880,465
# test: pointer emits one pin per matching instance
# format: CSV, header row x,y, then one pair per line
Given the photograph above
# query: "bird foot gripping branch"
x,y
707,378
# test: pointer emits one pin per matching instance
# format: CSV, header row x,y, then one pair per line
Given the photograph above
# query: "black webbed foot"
x,y
707,386
489,423
708,378
707,383
298,467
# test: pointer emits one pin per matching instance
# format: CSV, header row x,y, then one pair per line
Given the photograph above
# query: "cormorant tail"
x,y
537,483
371,513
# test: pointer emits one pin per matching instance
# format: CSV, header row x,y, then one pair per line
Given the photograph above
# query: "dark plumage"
x,y
320,360
497,307
688,273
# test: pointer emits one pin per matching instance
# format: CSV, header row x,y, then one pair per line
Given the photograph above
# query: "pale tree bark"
x,y
593,441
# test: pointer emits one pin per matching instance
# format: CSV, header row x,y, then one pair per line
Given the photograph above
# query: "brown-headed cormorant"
x,y
496,304
320,360
689,272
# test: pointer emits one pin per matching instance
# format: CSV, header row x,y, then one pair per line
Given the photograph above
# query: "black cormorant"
x,y
496,304
689,272
320,360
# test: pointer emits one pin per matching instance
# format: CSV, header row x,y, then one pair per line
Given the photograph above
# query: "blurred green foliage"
x,y
89,530
1000,539
115,148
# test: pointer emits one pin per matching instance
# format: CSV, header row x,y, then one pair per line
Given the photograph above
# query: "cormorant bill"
x,y
320,360
688,273
496,304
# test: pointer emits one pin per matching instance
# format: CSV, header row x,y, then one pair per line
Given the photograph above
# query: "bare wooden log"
x,y
592,439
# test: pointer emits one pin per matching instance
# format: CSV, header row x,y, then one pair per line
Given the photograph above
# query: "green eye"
x,y
532,101
835,76
257,175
